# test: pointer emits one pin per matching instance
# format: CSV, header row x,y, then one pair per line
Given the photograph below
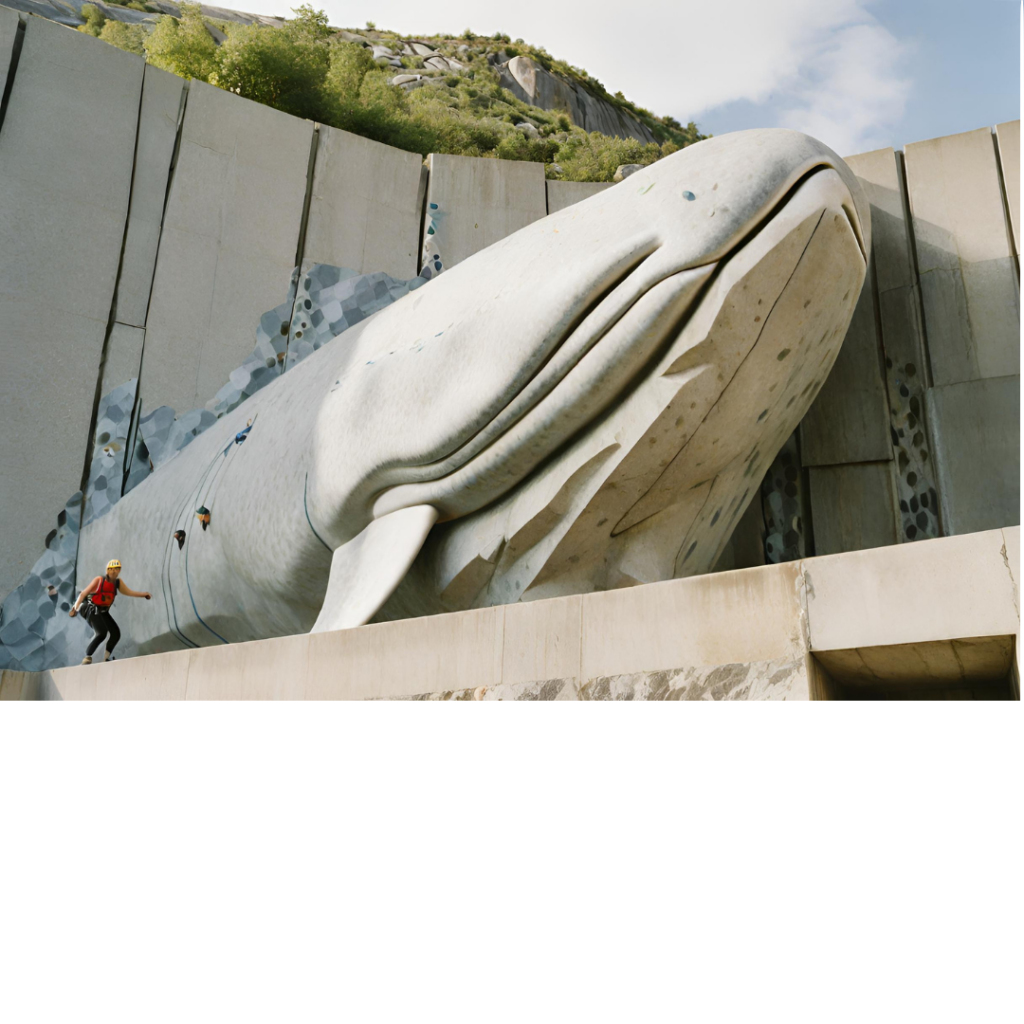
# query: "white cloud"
x,y
824,66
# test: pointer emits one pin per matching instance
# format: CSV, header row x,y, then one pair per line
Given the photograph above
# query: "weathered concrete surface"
x,y
473,203
975,429
229,243
1008,137
365,209
941,589
567,193
154,149
905,363
852,507
70,121
968,274
531,83
849,420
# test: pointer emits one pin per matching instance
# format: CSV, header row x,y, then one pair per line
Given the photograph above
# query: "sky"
x,y
857,74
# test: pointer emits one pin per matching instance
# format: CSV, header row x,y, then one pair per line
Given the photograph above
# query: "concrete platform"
x,y
936,619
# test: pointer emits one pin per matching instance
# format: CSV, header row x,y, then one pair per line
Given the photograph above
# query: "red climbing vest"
x,y
104,596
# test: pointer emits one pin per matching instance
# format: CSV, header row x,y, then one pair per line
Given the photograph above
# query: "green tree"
x,y
183,46
125,37
95,19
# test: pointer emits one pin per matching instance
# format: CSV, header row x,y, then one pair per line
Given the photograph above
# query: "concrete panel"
x,y
229,243
745,548
542,641
65,170
158,130
1008,137
905,364
124,356
472,203
19,685
625,631
263,670
462,651
365,208
156,677
968,274
568,193
976,441
852,507
937,590
849,420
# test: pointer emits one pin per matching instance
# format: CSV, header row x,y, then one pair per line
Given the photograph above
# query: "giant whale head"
x,y
591,401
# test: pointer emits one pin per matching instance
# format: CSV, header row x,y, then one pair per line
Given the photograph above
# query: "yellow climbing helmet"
x,y
113,564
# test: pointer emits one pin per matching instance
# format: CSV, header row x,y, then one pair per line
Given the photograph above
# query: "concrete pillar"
x,y
229,243
66,152
967,270
905,364
567,193
473,203
365,206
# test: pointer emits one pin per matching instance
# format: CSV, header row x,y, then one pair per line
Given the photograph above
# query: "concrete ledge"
x,y
777,632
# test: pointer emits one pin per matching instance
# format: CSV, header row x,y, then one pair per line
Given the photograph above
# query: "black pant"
x,y
102,622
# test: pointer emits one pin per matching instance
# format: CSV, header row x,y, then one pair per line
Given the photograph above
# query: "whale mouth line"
x,y
411,486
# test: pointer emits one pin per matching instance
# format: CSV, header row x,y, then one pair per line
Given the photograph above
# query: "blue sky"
x,y
858,74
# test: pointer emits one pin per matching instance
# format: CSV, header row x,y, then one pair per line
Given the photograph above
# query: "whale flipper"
x,y
366,570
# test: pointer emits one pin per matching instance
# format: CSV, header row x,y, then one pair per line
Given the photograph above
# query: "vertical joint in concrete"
x,y
12,70
1011,245
908,216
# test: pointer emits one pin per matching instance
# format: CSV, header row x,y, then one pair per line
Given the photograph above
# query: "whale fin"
x,y
366,570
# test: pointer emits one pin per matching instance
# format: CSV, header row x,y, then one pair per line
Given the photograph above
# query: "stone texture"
x,y
473,203
852,507
1008,137
849,420
544,89
766,680
942,589
364,211
162,97
567,193
967,270
229,242
60,252
976,441
905,362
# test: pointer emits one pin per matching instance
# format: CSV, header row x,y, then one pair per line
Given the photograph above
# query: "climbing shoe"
x,y
87,660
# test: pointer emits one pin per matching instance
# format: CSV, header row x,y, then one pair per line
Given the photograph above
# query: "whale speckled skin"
x,y
567,410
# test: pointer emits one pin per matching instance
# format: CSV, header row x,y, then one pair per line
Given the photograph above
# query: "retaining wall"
x,y
146,224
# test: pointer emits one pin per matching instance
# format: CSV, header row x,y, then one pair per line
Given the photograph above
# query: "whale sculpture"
x,y
590,403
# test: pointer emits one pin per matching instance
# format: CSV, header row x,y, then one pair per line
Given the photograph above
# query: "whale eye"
x,y
689,196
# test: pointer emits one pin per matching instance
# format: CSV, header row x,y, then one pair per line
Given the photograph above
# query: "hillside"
x,y
468,95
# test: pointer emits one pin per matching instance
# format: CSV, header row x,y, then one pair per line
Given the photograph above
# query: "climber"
x,y
101,593
203,515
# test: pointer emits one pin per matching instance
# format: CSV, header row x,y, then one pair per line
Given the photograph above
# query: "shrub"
x,y
95,19
125,37
184,46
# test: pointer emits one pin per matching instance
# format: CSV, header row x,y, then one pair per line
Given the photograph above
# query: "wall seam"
x,y
908,216
1007,222
12,69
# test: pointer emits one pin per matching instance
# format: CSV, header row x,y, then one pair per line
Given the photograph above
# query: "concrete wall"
x,y
215,199
66,154
229,243
777,632
473,203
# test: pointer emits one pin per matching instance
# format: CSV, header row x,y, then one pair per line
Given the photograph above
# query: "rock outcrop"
x,y
532,84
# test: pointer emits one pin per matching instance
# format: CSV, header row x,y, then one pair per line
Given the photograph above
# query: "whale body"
x,y
589,403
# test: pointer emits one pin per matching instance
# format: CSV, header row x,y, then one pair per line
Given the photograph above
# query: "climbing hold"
x,y
242,434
